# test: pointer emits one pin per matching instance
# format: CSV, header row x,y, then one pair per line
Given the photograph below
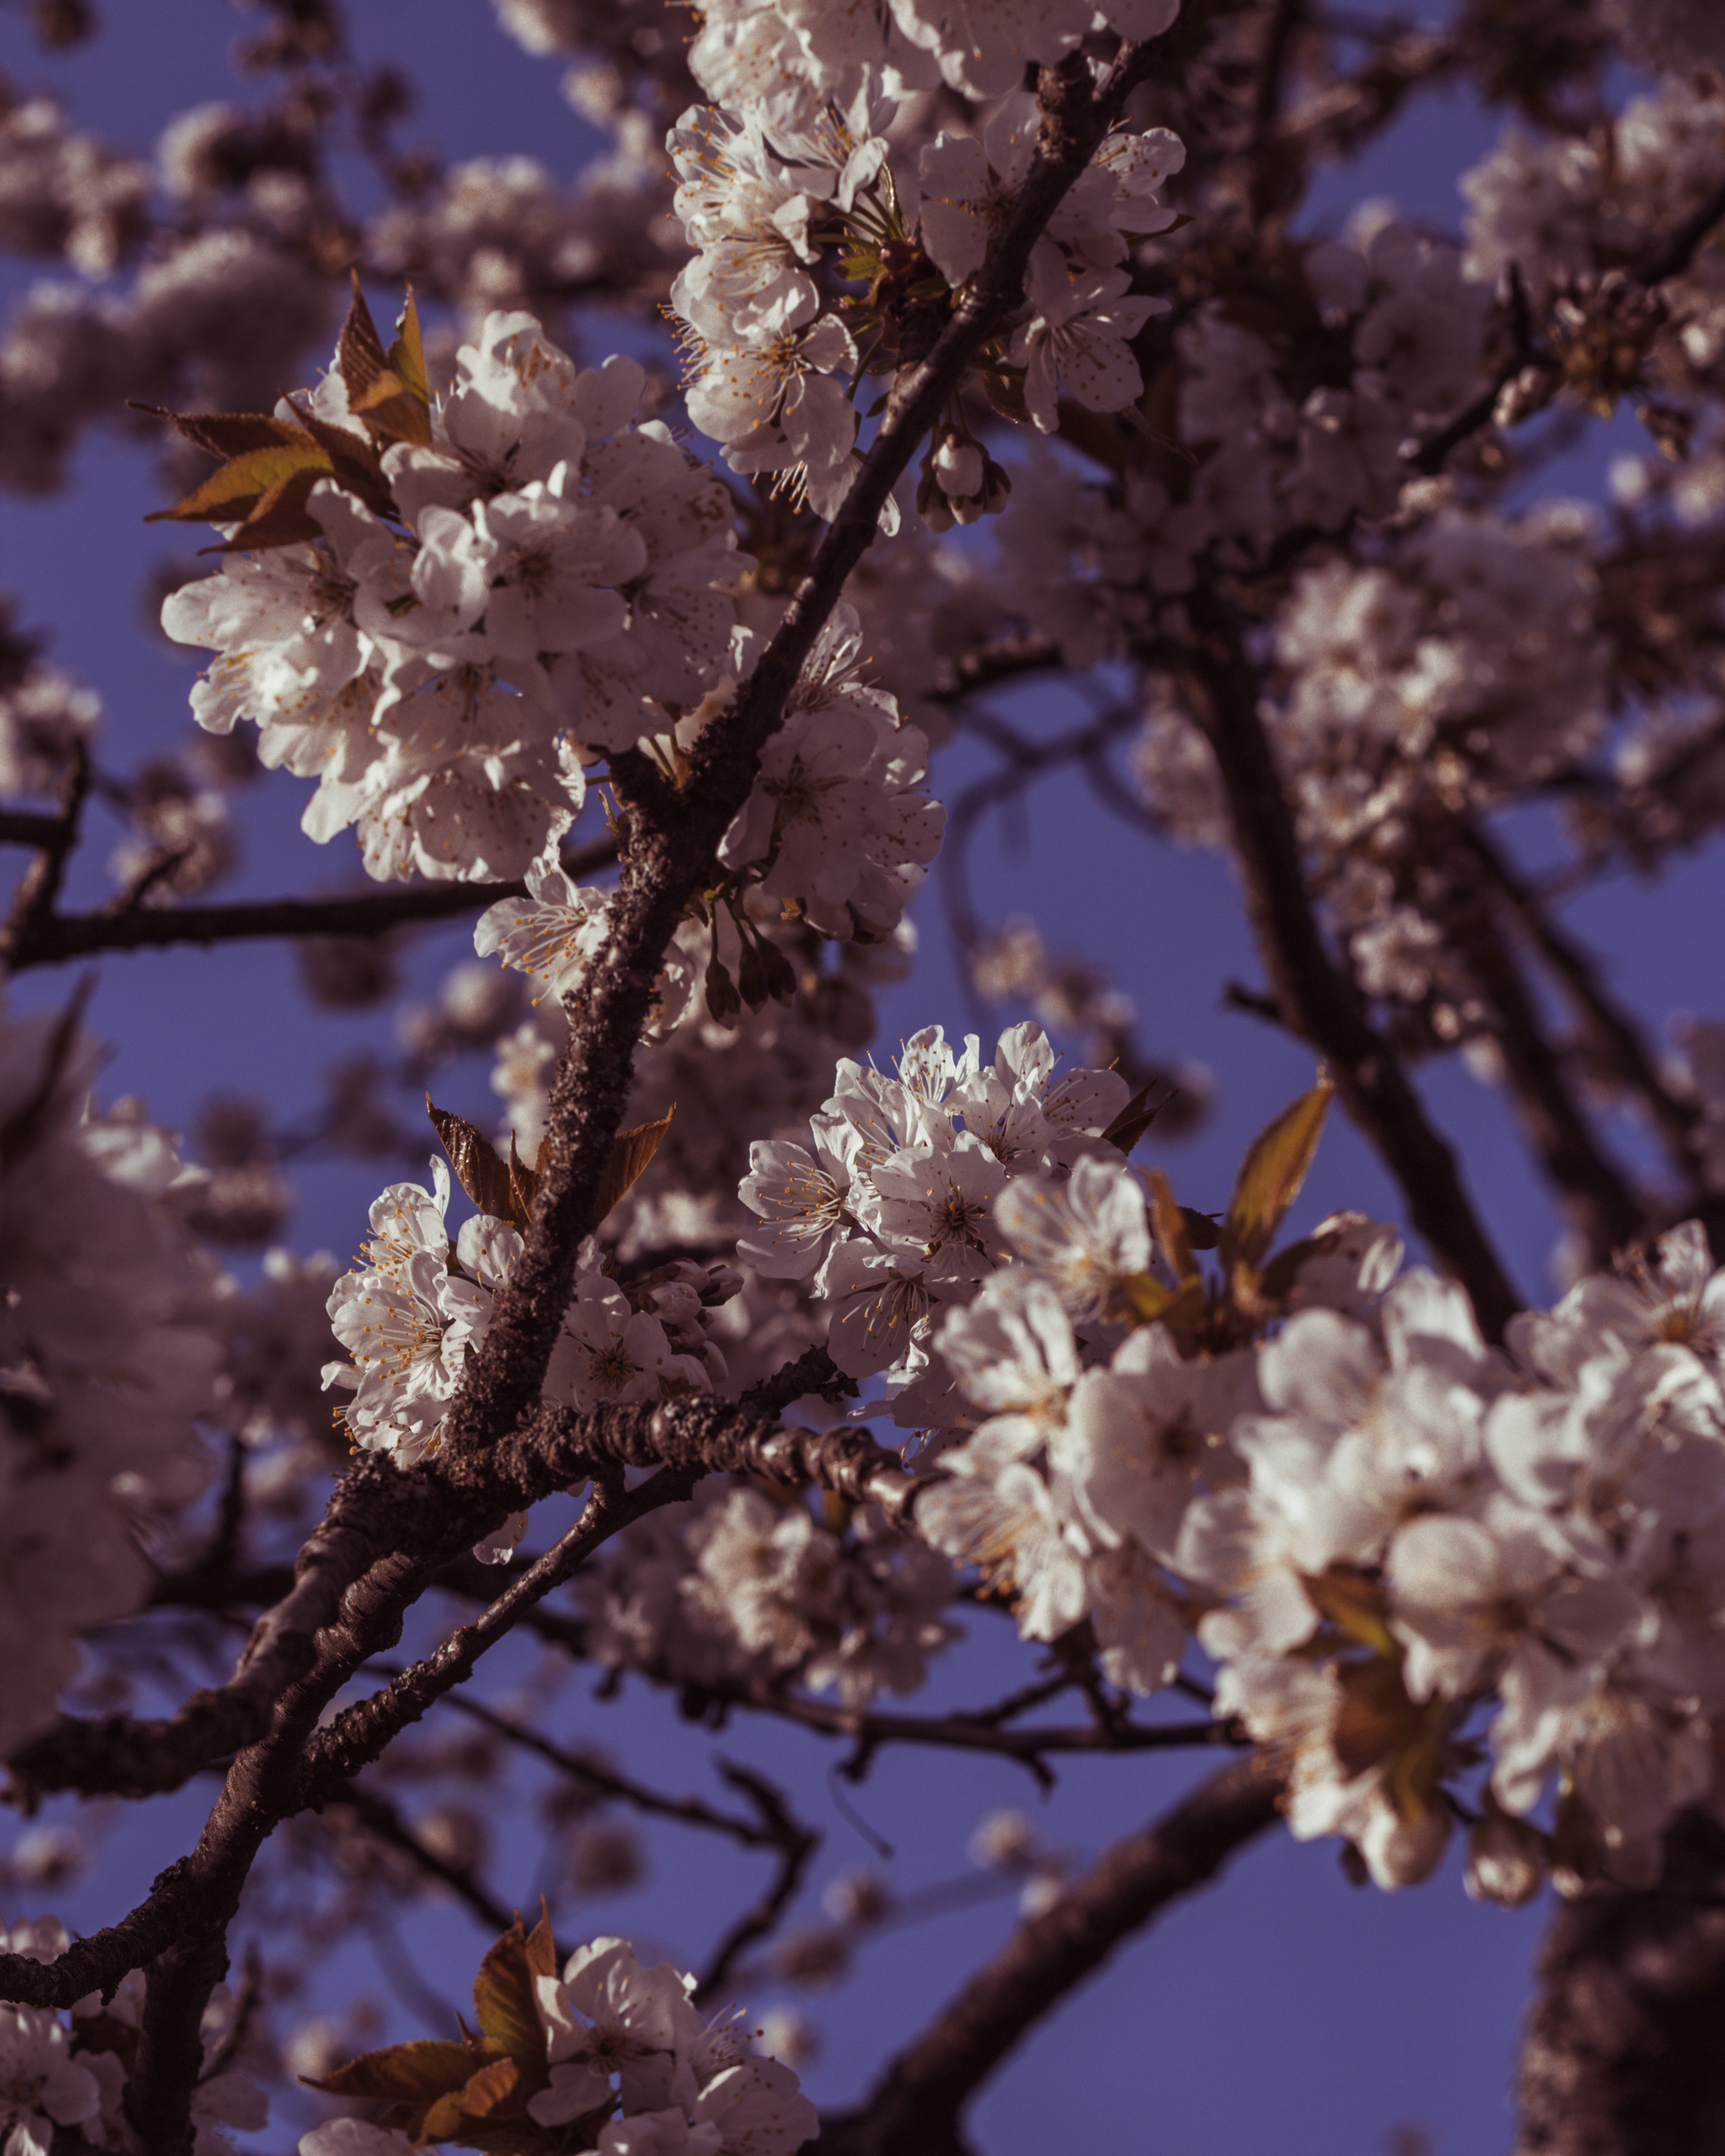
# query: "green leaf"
x,y
1270,1177
631,1153
407,355
230,495
1282,1274
1353,1605
478,1168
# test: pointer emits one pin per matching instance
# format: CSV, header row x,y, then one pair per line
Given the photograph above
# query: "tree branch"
x,y
795,1843
1592,1190
381,1818
914,2108
1317,1001
1622,2056
54,938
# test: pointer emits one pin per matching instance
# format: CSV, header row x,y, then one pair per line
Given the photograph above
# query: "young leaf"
x,y
394,404
1168,1219
478,1168
224,434
415,2073
523,1183
245,481
496,2087
1129,1125
503,2000
631,1152
1354,1605
1270,1177
407,355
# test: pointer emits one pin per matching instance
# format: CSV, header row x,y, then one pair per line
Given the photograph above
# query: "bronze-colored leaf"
x,y
224,434
1270,1175
505,2002
1376,1719
477,1169
523,1183
630,1154
1169,1222
496,2088
415,2073
395,405
358,467
541,1946
279,518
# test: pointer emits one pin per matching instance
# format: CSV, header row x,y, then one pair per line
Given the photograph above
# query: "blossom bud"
x,y
816,1958
1506,1861
606,1859
788,2037
1004,1841
858,1898
958,467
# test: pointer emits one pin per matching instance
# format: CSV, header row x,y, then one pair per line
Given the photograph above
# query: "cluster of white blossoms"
x,y
740,1589
106,1359
889,1213
1409,1552
790,167
837,828
68,2071
523,585
634,2069
421,1303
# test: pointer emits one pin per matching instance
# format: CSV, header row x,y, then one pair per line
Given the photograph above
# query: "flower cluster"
x,y
420,1303
69,2070
611,2060
743,1589
890,1213
106,1358
794,169
445,633
1407,1549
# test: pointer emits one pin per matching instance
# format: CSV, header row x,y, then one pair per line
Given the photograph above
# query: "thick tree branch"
x,y
364,1731
23,827
671,838
1622,2056
914,2108
1317,1001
